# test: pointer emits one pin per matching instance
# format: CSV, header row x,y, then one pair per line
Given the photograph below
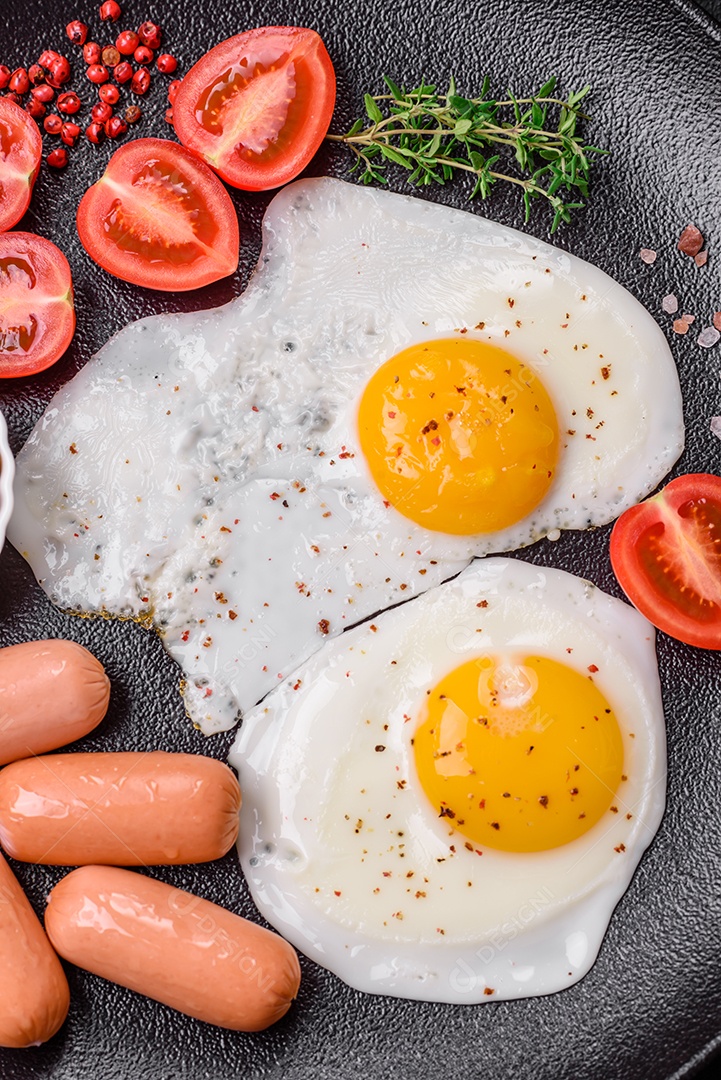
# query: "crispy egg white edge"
x,y
550,947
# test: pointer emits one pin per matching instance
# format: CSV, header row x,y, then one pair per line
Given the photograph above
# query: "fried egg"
x,y
448,803
401,387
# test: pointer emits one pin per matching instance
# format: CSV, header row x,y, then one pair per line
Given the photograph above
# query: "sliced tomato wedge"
x,y
666,554
37,316
257,106
159,217
21,148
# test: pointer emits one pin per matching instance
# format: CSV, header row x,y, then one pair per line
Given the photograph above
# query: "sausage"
x,y
126,809
51,693
172,946
35,997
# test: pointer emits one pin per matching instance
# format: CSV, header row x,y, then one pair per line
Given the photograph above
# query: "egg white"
x,y
337,835
203,473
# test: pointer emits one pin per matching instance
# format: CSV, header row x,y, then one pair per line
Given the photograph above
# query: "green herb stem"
x,y
434,135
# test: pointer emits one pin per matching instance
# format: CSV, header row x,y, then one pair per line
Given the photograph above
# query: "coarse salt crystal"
x,y
715,426
647,255
708,337
688,319
717,319
701,259
680,326
670,304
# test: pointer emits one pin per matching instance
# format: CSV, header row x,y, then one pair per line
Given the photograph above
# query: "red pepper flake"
x,y
495,825
391,415
606,372
224,528
208,692
185,635
387,873
620,848
447,812
73,448
336,892
232,614
274,495
511,302
592,668
690,241
543,800
324,626
254,408
488,990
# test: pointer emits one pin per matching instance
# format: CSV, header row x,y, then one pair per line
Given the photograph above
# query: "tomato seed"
x,y
133,114
69,102
141,81
150,34
110,11
110,56
127,42
98,73
123,72
166,63
91,53
53,124
19,81
77,32
109,94
58,157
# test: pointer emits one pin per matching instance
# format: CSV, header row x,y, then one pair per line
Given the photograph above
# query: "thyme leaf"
x,y
433,136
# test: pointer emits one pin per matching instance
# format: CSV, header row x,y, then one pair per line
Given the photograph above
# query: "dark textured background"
x,y
651,1007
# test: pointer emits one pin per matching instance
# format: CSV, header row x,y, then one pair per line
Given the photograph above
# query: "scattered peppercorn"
x,y
91,53
77,32
53,124
166,63
109,94
110,11
141,81
98,73
69,102
58,158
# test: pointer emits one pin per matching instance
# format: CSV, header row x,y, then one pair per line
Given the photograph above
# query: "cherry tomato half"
x,y
21,148
257,106
37,317
159,217
666,554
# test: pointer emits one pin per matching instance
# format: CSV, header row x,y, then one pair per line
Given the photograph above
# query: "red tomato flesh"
x,y
159,217
666,554
37,317
21,148
257,106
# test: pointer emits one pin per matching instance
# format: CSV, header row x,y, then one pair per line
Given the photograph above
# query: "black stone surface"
x,y
651,1006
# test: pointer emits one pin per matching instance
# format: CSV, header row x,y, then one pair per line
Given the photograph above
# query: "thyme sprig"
x,y
433,135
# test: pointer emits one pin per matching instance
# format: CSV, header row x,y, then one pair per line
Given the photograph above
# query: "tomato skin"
x,y
37,316
299,107
666,554
160,218
21,148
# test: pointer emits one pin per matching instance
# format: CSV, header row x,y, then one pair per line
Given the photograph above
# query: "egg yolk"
x,y
459,435
518,755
